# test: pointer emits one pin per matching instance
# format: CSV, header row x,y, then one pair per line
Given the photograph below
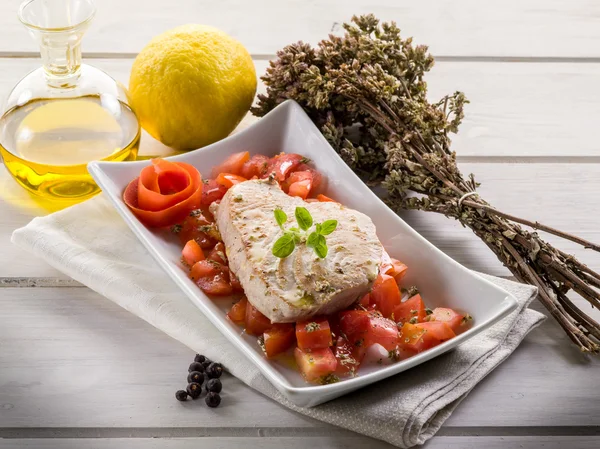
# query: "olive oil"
x,y
47,143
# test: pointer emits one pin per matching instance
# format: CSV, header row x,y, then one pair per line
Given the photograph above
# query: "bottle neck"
x,y
61,57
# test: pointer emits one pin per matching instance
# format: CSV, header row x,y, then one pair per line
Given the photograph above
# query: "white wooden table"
x,y
76,371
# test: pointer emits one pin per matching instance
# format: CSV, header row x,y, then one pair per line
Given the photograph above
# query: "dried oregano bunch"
x,y
366,92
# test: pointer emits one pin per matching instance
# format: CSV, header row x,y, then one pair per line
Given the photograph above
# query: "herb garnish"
x,y
285,245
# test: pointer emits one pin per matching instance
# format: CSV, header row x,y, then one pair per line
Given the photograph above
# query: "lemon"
x,y
192,85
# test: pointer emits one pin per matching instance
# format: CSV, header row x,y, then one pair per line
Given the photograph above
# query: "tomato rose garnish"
x,y
164,193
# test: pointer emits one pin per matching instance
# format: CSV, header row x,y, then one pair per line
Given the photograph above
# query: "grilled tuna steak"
x,y
301,285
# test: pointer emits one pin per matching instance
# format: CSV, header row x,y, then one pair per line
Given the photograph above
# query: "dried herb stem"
x,y
366,92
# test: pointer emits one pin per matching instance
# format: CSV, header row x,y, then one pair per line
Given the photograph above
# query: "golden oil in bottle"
x,y
47,143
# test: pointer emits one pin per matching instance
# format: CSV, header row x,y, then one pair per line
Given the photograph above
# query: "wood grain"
x,y
105,368
501,28
517,110
526,442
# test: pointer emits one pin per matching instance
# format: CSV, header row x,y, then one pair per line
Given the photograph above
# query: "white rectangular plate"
x,y
441,280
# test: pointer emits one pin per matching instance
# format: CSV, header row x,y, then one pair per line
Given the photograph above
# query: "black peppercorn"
x,y
214,385
213,399
196,366
214,370
195,376
194,390
181,395
199,358
206,363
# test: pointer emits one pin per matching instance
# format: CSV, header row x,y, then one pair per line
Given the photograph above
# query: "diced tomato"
x,y
325,199
346,363
393,267
192,253
416,338
317,178
194,227
365,301
438,330
413,307
256,166
233,164
399,270
228,180
455,320
300,189
278,338
256,322
313,334
217,254
237,313
382,331
202,269
283,164
386,295
212,192
295,177
235,283
363,328
217,285
316,364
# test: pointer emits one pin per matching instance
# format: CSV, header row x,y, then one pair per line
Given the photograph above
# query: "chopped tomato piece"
x,y
413,307
410,339
217,254
317,178
212,192
313,334
217,285
256,322
227,179
393,267
283,164
365,301
417,338
235,283
315,364
386,295
256,166
399,270
325,199
457,322
363,328
237,313
164,193
192,253
202,269
346,363
295,177
300,189
198,226
278,338
233,164
438,330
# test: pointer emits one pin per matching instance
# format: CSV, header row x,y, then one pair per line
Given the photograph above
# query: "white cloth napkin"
x,y
91,243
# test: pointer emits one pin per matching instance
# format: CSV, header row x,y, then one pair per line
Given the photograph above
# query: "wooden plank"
x,y
517,109
450,27
494,442
68,351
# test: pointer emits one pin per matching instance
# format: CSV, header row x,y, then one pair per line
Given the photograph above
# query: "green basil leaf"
x,y
280,217
328,227
318,228
284,246
312,239
303,218
320,246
